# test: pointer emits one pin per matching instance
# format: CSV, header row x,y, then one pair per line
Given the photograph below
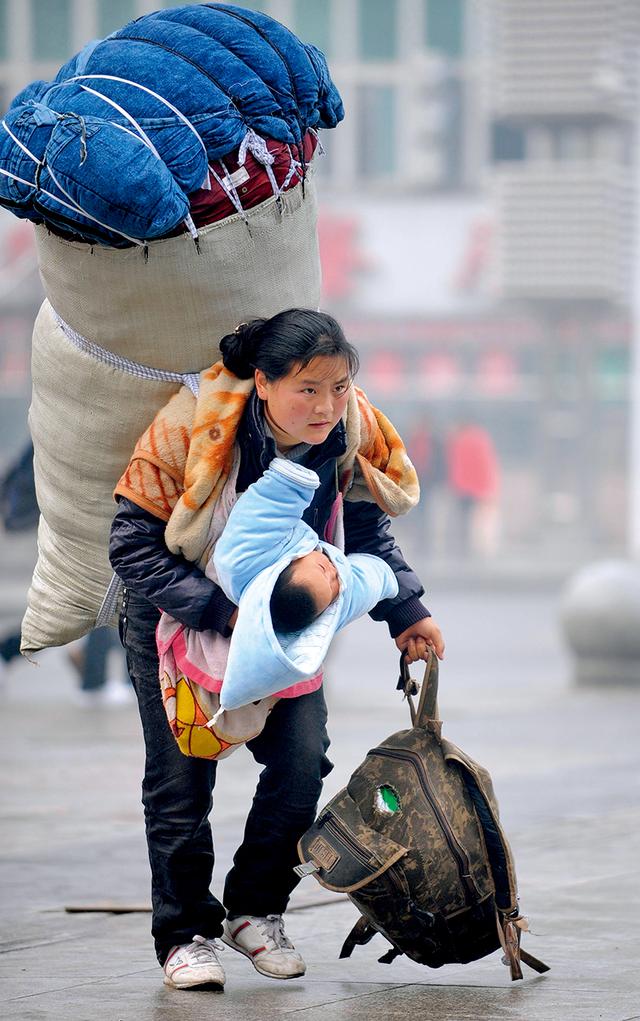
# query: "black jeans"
x,y
177,799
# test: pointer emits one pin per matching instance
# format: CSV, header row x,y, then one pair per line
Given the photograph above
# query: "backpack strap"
x,y
427,711
360,935
510,929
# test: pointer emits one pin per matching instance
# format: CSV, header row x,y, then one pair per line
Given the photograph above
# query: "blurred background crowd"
x,y
477,242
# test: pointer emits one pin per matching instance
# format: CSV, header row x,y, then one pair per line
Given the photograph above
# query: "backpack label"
x,y
323,853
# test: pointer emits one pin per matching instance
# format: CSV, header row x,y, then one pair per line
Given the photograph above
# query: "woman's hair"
x,y
293,337
292,606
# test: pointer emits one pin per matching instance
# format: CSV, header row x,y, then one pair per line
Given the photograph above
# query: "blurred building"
x,y
564,100
475,227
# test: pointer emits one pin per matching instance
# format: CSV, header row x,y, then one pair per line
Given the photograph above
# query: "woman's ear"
x,y
261,384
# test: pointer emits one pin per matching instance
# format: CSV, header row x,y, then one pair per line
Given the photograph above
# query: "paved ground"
x,y
565,766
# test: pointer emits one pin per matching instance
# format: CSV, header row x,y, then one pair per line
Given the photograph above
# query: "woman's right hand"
x,y
231,623
419,638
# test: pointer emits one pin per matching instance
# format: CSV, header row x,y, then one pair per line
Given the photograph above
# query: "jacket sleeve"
x,y
139,556
366,530
264,524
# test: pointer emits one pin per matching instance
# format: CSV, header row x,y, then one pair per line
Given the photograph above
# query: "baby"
x,y
303,591
293,590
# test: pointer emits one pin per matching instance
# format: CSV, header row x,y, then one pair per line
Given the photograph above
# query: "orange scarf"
x,y
181,462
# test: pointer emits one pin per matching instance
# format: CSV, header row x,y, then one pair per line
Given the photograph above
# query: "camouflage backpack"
x,y
415,841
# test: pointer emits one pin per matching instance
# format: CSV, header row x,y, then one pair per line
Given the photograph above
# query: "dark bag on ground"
x,y
414,839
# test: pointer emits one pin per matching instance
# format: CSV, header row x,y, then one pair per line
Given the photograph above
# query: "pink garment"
x,y
472,463
202,657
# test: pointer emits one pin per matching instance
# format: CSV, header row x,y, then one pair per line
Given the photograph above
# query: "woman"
x,y
302,367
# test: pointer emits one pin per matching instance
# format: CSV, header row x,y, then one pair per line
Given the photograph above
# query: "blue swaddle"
x,y
263,534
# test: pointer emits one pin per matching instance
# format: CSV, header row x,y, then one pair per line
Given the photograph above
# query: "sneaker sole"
x,y
255,962
214,987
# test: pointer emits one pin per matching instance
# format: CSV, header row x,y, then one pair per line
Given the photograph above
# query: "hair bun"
x,y
239,348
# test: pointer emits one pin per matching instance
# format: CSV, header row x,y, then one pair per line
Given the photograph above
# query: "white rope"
x,y
256,145
126,115
20,144
76,207
101,354
188,222
80,209
294,168
67,205
109,604
231,191
136,85
320,149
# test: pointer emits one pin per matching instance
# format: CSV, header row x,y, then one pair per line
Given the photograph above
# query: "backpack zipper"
x,y
342,833
459,853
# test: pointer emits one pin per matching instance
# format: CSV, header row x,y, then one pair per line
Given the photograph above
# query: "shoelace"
x,y
201,949
273,928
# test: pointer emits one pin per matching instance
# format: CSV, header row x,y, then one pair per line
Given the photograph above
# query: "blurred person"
x,y
426,448
284,388
18,501
20,513
100,684
474,483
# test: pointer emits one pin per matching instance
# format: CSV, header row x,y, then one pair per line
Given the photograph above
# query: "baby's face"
x,y
316,573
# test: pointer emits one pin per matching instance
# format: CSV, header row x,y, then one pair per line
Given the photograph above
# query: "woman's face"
x,y
305,405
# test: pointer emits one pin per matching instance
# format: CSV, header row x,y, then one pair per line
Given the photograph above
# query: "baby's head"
x,y
303,591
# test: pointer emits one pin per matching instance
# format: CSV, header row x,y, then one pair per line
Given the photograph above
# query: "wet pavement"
x,y
565,767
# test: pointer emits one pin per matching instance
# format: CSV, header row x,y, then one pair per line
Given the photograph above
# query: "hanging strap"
x,y
427,711
510,929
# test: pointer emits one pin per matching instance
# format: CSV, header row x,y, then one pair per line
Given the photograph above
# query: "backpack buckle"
x,y
307,868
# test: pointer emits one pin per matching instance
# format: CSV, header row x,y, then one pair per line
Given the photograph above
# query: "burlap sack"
x,y
165,308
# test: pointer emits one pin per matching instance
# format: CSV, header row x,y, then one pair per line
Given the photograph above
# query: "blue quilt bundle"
x,y
112,148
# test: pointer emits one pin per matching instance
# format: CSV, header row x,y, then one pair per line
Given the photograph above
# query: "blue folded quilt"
x,y
112,148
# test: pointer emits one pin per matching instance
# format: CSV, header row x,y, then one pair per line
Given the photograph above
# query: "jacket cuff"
x,y
295,472
405,614
215,616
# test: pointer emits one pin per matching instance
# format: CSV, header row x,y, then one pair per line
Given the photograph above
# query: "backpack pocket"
x,y
347,853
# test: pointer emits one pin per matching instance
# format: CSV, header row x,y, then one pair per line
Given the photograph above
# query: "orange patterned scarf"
x,y
180,464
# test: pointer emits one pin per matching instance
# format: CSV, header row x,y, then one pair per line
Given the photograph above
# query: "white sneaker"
x,y
114,694
264,942
117,692
194,964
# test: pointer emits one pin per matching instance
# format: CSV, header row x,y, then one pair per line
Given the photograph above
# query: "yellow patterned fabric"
x,y
190,707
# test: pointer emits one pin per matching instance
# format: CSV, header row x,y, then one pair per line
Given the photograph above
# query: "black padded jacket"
x,y
140,557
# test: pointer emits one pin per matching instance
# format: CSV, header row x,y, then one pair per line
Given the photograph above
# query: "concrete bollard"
x,y
600,617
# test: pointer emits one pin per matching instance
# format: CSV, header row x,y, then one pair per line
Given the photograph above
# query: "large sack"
x,y
165,310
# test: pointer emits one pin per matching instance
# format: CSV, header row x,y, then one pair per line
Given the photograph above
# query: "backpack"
x,y
415,841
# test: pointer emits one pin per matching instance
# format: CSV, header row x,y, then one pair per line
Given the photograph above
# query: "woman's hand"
x,y
231,623
417,640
